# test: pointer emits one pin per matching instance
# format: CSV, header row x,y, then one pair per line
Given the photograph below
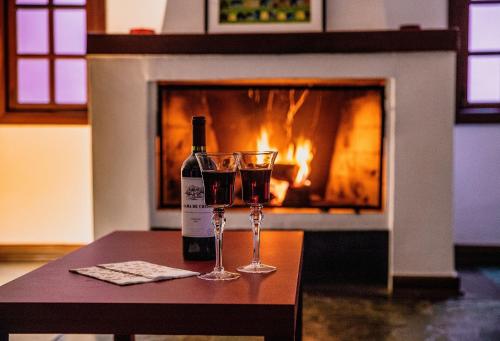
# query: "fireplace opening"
x,y
329,135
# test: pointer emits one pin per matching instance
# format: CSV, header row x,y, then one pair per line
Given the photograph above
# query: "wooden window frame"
x,y
63,114
466,112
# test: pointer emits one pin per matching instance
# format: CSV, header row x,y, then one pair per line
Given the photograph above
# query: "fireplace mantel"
x,y
282,43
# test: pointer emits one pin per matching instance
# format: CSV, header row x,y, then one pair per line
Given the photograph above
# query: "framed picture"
x,y
271,16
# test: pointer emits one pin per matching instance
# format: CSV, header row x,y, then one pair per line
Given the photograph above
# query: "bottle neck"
x,y
199,149
199,144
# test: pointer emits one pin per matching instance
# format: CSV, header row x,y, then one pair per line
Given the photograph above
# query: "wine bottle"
x,y
198,241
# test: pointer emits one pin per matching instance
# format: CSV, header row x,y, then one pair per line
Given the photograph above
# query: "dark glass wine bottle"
x,y
198,241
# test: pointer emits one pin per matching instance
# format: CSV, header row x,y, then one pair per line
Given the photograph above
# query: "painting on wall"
x,y
249,16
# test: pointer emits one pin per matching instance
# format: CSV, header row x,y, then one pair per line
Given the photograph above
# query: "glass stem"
x,y
256,217
218,220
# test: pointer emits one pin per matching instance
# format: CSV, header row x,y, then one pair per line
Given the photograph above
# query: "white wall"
x,y
122,15
346,15
477,184
427,13
45,185
343,15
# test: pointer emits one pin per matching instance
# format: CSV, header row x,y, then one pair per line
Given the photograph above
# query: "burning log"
x,y
298,196
286,172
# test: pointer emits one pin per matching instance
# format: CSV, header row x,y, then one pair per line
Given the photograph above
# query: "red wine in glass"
x,y
255,168
219,187
255,185
218,171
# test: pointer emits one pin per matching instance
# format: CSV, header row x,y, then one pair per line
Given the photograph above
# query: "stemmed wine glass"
x,y
218,171
255,169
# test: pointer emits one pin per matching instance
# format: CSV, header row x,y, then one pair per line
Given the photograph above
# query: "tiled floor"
x,y
473,316
333,313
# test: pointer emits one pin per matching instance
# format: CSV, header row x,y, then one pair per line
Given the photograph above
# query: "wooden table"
x,y
53,300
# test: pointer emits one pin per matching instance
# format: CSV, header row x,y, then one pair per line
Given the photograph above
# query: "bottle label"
x,y
196,216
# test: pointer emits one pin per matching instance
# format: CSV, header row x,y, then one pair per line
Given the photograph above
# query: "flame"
x,y
289,153
278,189
300,154
263,144
263,140
303,157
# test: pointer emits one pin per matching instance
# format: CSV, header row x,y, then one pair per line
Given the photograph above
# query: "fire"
x,y
299,153
289,153
263,144
303,157
278,189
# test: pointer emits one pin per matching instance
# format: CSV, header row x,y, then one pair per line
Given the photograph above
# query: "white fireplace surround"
x,y
418,145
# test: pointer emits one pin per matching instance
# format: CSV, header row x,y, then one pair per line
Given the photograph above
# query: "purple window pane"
x,y
32,2
32,31
33,81
71,81
484,27
69,2
484,79
70,34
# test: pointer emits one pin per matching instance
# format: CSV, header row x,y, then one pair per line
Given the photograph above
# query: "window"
x,y
45,73
478,60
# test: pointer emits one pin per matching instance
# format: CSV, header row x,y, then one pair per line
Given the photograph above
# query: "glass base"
x,y
219,276
257,268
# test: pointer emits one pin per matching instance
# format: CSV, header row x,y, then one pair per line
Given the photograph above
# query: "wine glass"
x,y
218,171
255,169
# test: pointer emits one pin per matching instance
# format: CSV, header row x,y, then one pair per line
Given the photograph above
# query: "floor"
x,y
333,312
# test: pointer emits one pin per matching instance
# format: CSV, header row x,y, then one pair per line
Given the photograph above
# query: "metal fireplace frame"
x,y
321,84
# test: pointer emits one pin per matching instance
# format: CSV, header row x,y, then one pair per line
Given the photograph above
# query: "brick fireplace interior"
x,y
329,135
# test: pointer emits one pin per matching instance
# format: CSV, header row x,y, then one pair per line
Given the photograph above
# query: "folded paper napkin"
x,y
133,272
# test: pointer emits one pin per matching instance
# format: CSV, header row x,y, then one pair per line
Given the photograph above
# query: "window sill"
x,y
478,115
60,117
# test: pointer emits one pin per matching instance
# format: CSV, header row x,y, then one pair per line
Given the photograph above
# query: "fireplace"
x,y
329,135
417,155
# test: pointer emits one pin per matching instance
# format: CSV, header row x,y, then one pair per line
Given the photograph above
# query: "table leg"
x,y
298,325
4,336
124,337
289,334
